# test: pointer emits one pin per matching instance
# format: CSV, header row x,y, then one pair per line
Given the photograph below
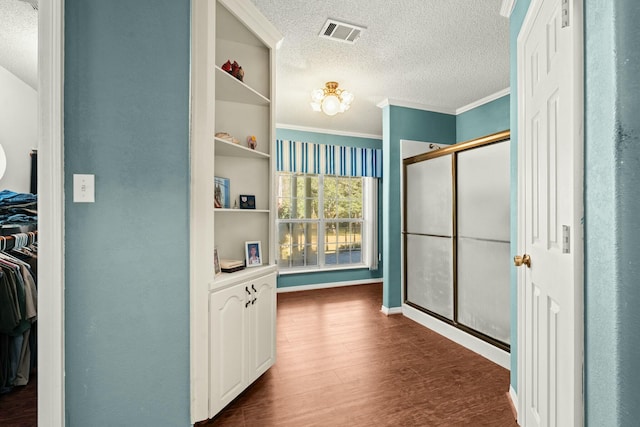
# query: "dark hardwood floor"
x,y
19,407
341,362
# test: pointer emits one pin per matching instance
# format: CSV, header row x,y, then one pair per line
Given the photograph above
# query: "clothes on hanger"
x,y
18,313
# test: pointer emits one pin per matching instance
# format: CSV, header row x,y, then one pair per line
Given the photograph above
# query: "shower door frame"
x,y
452,150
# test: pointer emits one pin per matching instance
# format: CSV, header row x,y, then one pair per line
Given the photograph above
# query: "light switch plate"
x,y
83,188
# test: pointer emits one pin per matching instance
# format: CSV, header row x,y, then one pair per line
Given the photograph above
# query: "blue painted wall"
x,y
403,123
292,280
612,231
126,115
484,120
302,279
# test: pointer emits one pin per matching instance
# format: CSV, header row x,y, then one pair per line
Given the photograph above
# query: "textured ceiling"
x,y
440,53
19,40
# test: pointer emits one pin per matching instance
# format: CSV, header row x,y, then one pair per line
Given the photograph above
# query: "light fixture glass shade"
x,y
331,105
347,97
331,100
317,95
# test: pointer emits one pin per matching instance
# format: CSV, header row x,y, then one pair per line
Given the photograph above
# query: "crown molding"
x,y
507,8
414,105
327,131
485,100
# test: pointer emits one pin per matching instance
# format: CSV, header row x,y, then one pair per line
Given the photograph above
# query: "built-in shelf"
x,y
229,149
242,210
228,88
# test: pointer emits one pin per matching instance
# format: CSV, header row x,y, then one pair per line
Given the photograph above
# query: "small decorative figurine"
x,y
234,69
237,71
252,142
227,137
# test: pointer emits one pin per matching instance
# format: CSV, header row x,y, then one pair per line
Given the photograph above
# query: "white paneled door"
x,y
549,215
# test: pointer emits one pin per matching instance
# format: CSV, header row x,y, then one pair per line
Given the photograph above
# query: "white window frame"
x,y
369,228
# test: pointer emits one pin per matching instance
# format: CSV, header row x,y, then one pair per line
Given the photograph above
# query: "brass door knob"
x,y
524,259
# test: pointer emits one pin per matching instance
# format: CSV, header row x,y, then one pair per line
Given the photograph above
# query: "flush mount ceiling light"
x,y
331,100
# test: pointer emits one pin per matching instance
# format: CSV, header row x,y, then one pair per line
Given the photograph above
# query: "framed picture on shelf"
x,y
247,201
216,262
221,192
253,253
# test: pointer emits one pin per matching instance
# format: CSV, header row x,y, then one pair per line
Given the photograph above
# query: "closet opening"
x,y
19,134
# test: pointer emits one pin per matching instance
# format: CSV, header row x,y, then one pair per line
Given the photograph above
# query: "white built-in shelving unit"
x,y
232,314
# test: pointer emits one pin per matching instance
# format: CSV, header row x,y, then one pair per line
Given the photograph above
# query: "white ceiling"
x,y
444,54
19,40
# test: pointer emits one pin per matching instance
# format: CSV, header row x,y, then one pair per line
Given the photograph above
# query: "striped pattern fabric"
x,y
307,157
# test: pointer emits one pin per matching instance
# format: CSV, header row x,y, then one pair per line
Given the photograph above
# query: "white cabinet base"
x,y
242,342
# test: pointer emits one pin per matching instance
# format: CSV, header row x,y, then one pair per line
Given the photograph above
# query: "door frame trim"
x,y
51,361
577,26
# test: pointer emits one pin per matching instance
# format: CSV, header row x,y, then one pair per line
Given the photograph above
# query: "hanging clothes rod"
x,y
18,239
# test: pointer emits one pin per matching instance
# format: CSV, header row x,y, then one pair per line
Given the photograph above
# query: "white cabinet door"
x,y
228,349
262,354
243,338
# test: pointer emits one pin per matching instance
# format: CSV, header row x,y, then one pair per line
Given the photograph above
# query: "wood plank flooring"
x,y
19,407
341,362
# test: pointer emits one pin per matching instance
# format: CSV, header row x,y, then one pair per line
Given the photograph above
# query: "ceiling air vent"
x,y
341,31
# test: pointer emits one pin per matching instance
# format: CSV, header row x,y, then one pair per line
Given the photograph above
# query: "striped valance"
x,y
307,157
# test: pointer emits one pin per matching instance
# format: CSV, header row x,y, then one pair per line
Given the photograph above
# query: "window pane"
x,y
356,201
343,197
311,255
356,242
283,258
306,208
344,235
349,243
312,244
330,243
330,196
304,197
284,233
284,240
284,208
297,256
284,185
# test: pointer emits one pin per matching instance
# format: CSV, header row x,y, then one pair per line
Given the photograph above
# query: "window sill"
x,y
306,270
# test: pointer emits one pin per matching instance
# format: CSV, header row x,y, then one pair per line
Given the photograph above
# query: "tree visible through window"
x,y
320,220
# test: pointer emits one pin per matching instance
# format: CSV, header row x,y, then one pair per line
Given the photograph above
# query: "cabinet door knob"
x,y
246,288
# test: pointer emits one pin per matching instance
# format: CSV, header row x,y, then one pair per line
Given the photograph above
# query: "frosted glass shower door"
x,y
483,259
429,235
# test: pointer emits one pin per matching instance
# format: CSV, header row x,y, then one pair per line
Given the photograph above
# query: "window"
x,y
322,221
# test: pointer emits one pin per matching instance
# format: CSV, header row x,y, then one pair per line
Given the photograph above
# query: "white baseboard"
x,y
474,344
393,310
328,285
514,400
